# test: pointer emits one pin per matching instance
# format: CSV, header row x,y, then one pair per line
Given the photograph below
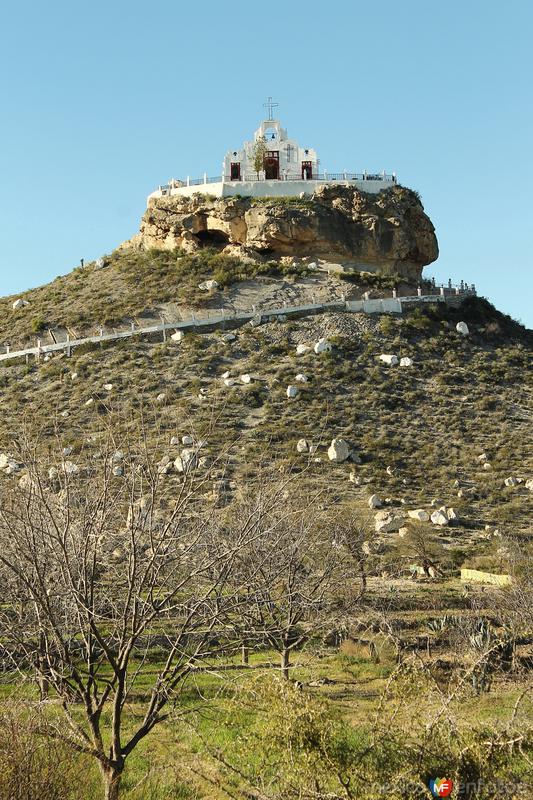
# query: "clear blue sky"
x,y
102,101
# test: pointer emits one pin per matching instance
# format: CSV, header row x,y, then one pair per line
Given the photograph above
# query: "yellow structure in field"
x,y
476,576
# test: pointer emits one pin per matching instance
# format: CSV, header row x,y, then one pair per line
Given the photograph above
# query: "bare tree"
x,y
96,571
296,573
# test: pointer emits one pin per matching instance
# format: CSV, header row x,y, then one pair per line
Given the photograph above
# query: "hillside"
x,y
429,458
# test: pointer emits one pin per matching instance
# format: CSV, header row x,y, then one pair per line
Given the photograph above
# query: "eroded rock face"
x,y
386,232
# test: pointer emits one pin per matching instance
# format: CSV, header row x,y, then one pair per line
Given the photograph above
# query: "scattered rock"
x,y
229,382
20,303
462,328
161,398
487,466
69,468
108,387
301,378
292,391
529,484
439,518
73,376
391,360
90,401
322,346
388,521
177,336
338,451
512,481
406,362
301,349
187,460
419,514
246,378
118,471
228,337
256,321
302,446
206,286
187,440
374,501
451,513
226,374
355,479
482,457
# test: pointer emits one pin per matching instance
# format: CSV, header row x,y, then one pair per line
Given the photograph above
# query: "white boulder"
x,y
391,360
229,382
228,337
339,450
206,286
301,349
302,446
529,484
161,398
186,460
439,518
322,346
406,362
375,501
420,514
245,378
187,440
301,378
292,391
108,387
225,374
177,336
20,303
90,401
452,514
69,468
512,481
462,328
388,521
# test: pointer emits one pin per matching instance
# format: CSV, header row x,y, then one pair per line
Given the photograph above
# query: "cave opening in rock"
x,y
213,238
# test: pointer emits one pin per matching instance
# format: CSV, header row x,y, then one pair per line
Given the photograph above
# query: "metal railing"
x,y
219,317
167,188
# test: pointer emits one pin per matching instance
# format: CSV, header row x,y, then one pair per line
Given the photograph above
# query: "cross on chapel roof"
x,y
270,105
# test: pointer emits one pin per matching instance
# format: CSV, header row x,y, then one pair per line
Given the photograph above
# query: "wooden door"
x,y
271,165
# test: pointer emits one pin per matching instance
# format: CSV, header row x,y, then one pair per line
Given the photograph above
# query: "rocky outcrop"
x,y
386,232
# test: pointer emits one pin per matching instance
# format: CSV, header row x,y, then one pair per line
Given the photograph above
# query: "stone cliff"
x,y
387,232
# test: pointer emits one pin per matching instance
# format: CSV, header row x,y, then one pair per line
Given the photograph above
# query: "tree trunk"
x,y
285,654
111,778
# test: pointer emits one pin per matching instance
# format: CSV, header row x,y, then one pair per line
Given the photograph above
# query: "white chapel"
x,y
271,164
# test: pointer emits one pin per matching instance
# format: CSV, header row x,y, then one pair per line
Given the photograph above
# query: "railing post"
x,y
68,347
442,291
205,177
188,182
419,291
395,293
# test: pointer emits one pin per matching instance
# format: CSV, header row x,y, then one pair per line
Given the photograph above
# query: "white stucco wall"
x,y
267,188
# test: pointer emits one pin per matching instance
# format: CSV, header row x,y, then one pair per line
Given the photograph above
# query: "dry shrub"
x,y
35,767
